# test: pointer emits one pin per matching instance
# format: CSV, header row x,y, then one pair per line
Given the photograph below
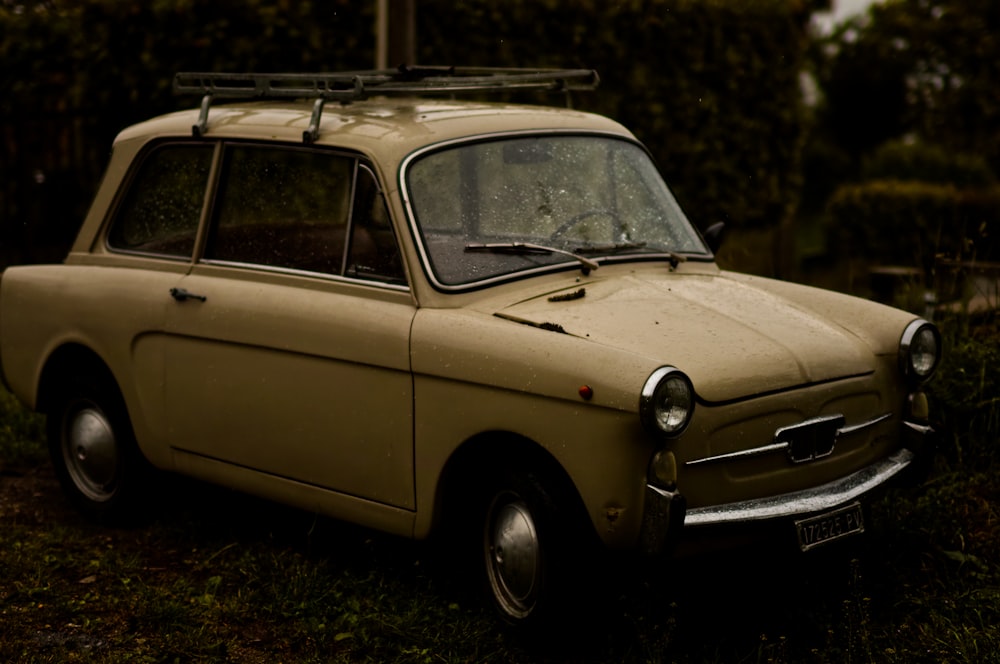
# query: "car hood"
x,y
733,338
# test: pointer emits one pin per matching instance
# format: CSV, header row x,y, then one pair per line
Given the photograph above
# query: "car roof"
x,y
387,127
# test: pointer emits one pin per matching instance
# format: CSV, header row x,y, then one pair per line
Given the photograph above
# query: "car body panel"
x,y
306,381
732,339
58,306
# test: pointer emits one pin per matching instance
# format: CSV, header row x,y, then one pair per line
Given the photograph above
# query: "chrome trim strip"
x,y
844,431
919,428
816,499
742,454
780,447
292,272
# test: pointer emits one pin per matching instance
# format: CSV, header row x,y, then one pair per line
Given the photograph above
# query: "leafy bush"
x,y
966,391
915,223
711,86
917,161
21,432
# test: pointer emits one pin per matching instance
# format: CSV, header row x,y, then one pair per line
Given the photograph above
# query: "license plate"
x,y
830,526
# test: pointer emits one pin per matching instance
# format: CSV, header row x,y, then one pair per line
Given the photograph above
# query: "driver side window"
x,y
303,209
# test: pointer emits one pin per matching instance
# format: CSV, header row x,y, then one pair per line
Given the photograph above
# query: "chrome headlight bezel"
x,y
919,350
666,402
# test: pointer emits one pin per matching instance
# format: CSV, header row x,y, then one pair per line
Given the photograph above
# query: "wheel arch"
x,y
65,361
565,540
91,438
488,455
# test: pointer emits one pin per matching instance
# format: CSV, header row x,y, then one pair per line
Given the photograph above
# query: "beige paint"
x,y
311,384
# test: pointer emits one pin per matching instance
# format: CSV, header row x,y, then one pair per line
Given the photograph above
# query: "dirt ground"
x,y
31,495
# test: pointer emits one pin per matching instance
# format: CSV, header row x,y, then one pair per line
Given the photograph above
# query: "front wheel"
x,y
94,452
531,547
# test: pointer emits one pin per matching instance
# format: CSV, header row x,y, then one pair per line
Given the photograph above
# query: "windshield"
x,y
477,205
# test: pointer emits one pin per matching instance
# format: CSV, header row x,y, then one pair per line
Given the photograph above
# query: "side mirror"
x,y
714,235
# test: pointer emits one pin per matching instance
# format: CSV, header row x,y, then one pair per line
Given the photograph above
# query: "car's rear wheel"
x,y
94,452
531,546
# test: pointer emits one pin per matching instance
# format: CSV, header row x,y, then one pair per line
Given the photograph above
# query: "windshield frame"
x,y
559,263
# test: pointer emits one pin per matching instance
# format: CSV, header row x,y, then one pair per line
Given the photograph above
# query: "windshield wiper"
x,y
523,248
610,248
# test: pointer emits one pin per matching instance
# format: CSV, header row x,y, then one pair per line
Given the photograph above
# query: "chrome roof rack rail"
x,y
346,87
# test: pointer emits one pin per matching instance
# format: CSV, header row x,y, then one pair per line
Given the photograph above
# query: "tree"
x,y
922,67
911,117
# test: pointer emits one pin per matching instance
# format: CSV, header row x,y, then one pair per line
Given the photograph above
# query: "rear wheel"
x,y
94,452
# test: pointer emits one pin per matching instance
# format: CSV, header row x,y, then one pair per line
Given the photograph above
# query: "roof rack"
x,y
346,87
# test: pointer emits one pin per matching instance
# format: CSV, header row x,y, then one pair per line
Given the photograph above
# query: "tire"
x,y
94,452
531,549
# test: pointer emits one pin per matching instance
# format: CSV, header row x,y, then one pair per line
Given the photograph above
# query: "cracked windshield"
x,y
490,209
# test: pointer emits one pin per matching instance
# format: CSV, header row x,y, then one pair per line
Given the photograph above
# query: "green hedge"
x,y
966,391
711,86
916,223
923,162
114,61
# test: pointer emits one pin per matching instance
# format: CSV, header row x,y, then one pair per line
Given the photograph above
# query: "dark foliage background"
x,y
76,72
905,115
711,86
755,118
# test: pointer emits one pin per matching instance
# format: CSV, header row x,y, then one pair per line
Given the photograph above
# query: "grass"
x,y
20,433
217,577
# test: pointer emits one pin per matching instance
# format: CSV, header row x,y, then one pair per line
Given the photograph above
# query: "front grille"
x,y
803,442
810,440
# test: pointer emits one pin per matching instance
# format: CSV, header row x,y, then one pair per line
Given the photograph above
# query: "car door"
x,y
288,347
144,251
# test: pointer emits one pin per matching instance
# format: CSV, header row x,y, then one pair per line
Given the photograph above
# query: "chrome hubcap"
x,y
91,455
512,557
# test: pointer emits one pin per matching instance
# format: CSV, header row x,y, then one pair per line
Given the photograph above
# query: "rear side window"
x,y
162,207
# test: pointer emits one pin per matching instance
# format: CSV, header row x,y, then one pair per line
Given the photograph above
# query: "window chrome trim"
x,y
126,183
292,272
567,265
816,499
783,447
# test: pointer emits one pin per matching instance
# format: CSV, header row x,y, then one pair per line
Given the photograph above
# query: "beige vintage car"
x,y
437,315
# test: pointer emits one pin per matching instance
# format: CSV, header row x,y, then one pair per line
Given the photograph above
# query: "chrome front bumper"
x,y
666,515
808,501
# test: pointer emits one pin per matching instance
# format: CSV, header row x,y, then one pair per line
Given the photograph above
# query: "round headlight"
x,y
666,402
920,350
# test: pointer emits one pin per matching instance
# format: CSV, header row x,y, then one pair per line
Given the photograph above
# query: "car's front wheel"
x,y
94,452
531,546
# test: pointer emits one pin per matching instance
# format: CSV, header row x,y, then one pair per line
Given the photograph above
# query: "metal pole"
x,y
382,34
402,29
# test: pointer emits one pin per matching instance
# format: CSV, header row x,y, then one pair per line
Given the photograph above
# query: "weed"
x,y
21,433
966,391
